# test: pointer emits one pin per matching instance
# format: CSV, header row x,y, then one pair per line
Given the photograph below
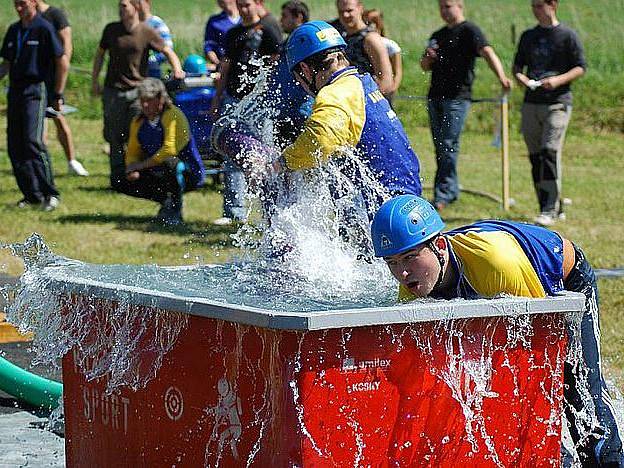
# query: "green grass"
x,y
599,94
96,225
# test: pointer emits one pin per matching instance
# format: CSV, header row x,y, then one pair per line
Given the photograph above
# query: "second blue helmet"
x,y
195,64
403,223
309,39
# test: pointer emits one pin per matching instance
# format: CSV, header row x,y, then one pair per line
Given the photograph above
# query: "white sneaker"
x,y
50,204
545,219
222,221
75,167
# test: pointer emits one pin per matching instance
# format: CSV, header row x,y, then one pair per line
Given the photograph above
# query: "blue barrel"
x,y
195,104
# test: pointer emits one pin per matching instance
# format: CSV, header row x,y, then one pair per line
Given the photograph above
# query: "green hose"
x,y
28,387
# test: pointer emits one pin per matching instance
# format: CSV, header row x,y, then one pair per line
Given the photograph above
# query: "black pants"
x,y
155,183
597,440
29,156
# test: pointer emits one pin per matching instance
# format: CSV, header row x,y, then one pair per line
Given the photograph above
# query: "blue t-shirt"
x,y
214,36
31,51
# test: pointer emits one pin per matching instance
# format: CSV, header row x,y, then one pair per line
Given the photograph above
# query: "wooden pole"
x,y
505,149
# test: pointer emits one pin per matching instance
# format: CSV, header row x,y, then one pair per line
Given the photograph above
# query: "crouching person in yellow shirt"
x,y
162,159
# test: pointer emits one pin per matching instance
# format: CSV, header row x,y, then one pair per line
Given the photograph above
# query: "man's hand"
x,y
132,176
552,82
179,74
506,84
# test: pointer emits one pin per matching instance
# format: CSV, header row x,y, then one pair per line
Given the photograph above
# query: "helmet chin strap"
x,y
309,83
441,261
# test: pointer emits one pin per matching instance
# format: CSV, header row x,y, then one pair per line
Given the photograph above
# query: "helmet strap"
x,y
309,83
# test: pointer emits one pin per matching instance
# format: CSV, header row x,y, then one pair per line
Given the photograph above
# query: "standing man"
x,y
248,47
491,257
549,58
155,59
31,51
365,47
57,18
127,42
216,28
450,56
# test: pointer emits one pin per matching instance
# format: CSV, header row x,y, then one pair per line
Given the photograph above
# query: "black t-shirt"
x,y
457,49
56,17
31,51
547,52
247,48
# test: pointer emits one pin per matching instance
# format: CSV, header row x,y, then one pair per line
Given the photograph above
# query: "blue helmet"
x,y
402,223
311,38
195,64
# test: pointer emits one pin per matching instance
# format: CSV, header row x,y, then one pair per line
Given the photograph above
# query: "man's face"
x,y
450,10
288,21
127,9
542,10
248,9
223,4
417,269
350,12
26,9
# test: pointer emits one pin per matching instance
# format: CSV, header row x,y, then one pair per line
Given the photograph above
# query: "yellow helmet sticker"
x,y
327,34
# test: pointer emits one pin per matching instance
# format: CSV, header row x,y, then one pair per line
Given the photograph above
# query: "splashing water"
x,y
304,254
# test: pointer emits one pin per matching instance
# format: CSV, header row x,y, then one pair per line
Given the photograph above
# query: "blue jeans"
x,y
446,119
584,383
234,185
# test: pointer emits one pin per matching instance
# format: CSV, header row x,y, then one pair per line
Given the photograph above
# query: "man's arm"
x,y
62,69
215,104
65,36
210,42
174,61
553,82
5,67
98,61
378,55
496,66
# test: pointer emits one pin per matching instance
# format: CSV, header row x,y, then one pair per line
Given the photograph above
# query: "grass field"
x,y
96,225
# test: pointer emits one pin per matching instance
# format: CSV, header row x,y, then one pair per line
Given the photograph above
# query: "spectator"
x,y
155,59
267,17
252,40
450,56
549,58
489,258
57,18
216,28
374,18
162,160
30,52
127,42
365,48
290,101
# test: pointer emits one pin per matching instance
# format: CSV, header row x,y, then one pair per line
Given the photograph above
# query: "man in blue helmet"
x,y
488,258
349,111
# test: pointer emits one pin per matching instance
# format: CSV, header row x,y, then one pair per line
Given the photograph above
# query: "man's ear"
x,y
440,243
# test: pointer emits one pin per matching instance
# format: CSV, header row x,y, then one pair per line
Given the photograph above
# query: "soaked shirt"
x,y
168,137
351,112
495,257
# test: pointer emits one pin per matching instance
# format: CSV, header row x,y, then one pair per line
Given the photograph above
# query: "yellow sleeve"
x,y
134,153
337,120
176,135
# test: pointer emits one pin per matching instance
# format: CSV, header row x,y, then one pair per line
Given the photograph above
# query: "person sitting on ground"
x,y
488,258
216,28
349,111
58,19
365,47
374,18
155,59
162,160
